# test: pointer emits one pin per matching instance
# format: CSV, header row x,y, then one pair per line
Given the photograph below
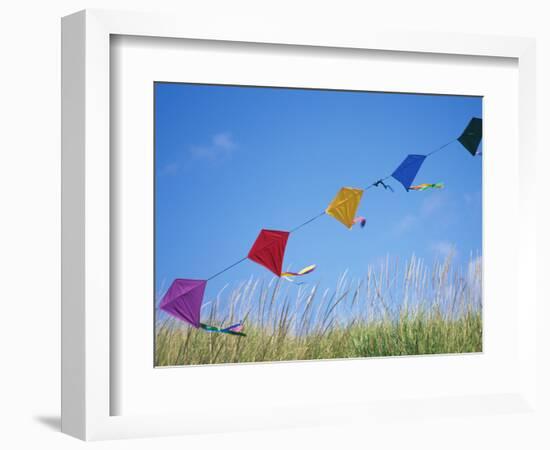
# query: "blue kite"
x,y
407,170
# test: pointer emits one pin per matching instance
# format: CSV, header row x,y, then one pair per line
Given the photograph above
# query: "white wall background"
x,y
30,210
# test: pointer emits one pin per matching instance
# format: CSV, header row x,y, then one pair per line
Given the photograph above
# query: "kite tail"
x,y
424,186
361,220
292,280
384,185
235,329
304,271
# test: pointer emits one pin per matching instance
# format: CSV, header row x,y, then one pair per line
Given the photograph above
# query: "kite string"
x,y
307,222
227,268
324,212
407,165
441,148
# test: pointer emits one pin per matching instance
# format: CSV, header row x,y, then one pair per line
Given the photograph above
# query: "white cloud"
x,y
220,148
472,198
406,223
170,168
223,140
433,203
444,248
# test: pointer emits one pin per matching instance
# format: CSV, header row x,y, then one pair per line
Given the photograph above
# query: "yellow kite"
x,y
344,206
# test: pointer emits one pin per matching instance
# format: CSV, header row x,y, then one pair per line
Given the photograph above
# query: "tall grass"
x,y
394,309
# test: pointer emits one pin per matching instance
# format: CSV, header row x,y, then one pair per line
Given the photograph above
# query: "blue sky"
x,y
233,160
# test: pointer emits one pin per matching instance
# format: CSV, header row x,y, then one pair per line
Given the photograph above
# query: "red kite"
x,y
269,251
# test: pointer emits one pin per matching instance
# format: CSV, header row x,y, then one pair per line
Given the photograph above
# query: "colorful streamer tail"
x,y
361,220
304,271
288,275
235,329
424,186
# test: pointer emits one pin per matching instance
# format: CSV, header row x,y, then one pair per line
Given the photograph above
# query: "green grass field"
x,y
393,310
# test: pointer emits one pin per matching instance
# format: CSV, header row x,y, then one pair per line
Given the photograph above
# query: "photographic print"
x,y
307,224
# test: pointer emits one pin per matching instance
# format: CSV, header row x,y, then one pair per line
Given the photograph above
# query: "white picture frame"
x,y
87,287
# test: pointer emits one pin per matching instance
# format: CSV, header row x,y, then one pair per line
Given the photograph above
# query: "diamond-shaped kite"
x,y
407,170
344,206
471,136
183,300
269,251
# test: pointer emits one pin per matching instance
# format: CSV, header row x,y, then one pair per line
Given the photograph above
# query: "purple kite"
x,y
183,300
